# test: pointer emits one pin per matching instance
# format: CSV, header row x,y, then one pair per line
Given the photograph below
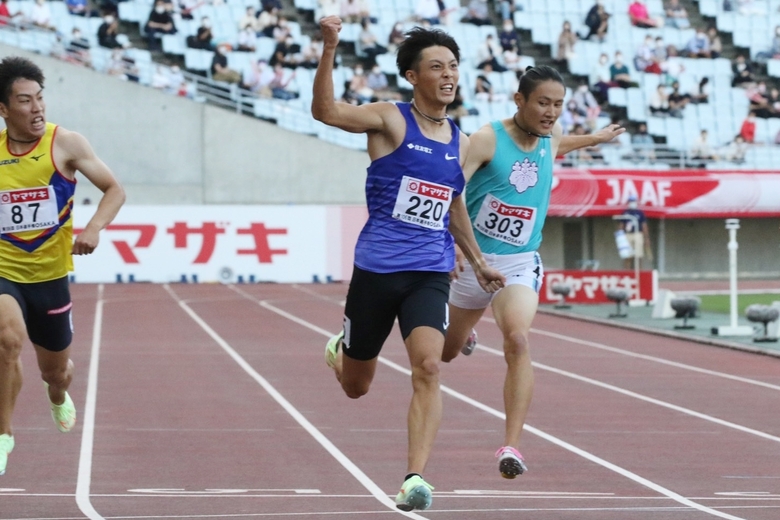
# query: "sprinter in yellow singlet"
x,y
38,164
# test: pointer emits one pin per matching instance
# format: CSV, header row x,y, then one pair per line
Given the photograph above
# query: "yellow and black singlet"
x,y
36,204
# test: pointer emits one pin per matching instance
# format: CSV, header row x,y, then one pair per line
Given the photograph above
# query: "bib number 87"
x,y
437,208
503,225
17,217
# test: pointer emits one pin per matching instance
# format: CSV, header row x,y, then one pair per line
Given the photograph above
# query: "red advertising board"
x,y
670,193
590,286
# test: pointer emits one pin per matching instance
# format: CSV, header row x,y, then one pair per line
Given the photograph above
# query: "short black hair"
x,y
534,76
417,40
14,68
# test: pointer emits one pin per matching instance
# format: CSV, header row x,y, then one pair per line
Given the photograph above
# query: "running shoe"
x,y
6,447
470,345
510,462
64,414
332,349
415,494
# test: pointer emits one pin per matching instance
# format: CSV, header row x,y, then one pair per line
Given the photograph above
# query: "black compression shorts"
x,y
46,307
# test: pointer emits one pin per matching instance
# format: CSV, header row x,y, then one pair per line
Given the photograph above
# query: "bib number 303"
x,y
511,224
28,209
422,203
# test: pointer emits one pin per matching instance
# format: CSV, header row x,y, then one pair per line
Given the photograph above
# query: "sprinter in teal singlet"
x,y
405,252
509,171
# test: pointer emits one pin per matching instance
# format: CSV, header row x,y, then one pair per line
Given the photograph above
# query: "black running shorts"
x,y
374,300
46,307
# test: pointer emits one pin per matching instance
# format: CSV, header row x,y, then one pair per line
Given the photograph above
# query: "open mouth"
x,y
448,88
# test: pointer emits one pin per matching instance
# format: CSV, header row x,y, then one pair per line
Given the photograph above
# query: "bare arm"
x,y
569,143
460,226
77,155
324,108
482,146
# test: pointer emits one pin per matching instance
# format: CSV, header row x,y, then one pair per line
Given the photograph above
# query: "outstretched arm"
x,y
324,108
491,280
569,143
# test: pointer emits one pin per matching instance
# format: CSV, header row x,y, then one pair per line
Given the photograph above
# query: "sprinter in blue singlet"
x,y
509,171
405,252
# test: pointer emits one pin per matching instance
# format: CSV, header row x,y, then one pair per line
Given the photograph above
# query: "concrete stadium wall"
x,y
168,150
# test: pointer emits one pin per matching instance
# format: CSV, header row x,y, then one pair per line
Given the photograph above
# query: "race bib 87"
x,y
422,203
510,224
28,209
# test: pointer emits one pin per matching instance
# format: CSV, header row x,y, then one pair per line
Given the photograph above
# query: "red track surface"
x,y
182,430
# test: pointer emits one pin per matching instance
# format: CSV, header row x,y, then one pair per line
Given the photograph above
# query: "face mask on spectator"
x,y
206,23
109,19
376,70
358,71
632,204
159,10
76,35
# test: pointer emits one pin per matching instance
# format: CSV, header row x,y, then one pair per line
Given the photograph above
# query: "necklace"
x,y
437,120
514,118
20,141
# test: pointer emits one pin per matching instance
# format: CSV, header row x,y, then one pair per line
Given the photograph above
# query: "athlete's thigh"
x,y
369,313
49,314
514,308
12,322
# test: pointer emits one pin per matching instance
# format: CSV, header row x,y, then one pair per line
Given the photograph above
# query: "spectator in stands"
x,y
774,51
702,150
281,31
570,116
508,37
267,21
659,101
219,67
512,59
353,11
748,128
643,144
637,232
676,15
586,105
483,88
677,101
699,45
369,44
259,79
597,21
160,79
396,37
477,13
40,15
187,8
122,66
358,86
702,92
77,7
736,150
507,8
249,20
312,53
6,16
640,17
271,3
280,84
566,43
660,52
743,73
108,33
619,73
247,39
202,39
673,67
488,53
646,59
428,10
77,50
600,78
377,81
716,44
286,54
160,22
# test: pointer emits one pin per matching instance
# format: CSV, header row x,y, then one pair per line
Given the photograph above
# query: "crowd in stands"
x,y
277,55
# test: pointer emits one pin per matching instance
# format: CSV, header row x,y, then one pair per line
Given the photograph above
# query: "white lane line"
x,y
331,448
88,430
550,438
641,397
663,361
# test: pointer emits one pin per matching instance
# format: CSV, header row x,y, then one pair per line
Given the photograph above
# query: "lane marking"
x,y
646,357
88,431
539,433
181,491
356,472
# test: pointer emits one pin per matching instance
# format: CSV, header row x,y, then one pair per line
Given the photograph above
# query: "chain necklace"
x,y
514,118
437,120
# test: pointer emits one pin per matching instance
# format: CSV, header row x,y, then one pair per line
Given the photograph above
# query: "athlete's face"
x,y
542,108
25,112
436,76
